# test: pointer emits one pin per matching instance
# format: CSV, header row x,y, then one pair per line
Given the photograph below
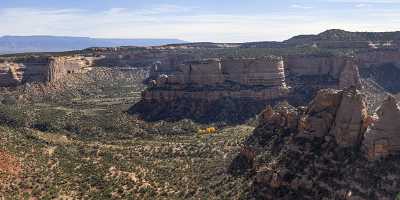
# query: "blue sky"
x,y
196,20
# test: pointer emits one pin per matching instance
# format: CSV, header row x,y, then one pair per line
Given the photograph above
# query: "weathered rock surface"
x,y
383,136
350,76
41,69
10,74
258,79
267,71
351,119
316,152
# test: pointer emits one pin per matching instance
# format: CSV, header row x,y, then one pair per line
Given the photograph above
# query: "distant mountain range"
x,y
335,38
22,44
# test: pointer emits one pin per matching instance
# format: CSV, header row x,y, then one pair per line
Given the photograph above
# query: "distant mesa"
x,y
23,44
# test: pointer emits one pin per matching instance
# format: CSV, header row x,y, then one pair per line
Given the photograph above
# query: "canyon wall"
x,y
214,78
195,89
378,57
312,65
41,69
321,72
10,74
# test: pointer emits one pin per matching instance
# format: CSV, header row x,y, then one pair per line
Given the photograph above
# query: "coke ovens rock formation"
x,y
323,151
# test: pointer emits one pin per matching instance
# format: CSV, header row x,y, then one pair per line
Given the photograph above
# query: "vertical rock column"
x,y
350,75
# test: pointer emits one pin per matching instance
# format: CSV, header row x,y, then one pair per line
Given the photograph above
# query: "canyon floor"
x,y
81,145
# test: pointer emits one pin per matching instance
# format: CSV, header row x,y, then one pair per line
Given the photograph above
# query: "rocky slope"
x,y
331,149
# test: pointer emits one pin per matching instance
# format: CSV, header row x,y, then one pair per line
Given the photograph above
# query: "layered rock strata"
x,y
10,74
323,151
241,79
338,72
41,70
231,90
261,79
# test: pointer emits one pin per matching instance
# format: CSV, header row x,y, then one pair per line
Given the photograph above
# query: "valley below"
x,y
81,144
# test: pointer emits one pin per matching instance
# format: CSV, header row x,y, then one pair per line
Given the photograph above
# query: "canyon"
x,y
312,117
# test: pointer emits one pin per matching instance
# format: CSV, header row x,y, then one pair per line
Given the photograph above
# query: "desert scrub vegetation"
x,y
15,116
83,145
56,165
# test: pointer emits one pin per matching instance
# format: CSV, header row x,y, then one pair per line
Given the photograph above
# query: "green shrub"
x,y
49,120
15,116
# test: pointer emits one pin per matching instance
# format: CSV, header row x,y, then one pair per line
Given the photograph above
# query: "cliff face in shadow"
x,y
234,90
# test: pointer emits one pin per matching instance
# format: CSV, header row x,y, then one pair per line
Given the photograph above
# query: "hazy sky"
x,y
195,20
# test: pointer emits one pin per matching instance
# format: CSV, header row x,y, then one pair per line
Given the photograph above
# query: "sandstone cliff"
x,y
10,74
214,78
231,90
257,79
41,69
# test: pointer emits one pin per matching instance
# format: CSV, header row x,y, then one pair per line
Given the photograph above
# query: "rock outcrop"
x,y
256,79
41,69
214,78
58,67
340,115
267,71
383,136
350,76
10,74
196,89
338,72
321,152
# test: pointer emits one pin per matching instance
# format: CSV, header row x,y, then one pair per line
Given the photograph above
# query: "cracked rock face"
x,y
383,137
318,152
351,116
338,114
10,74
